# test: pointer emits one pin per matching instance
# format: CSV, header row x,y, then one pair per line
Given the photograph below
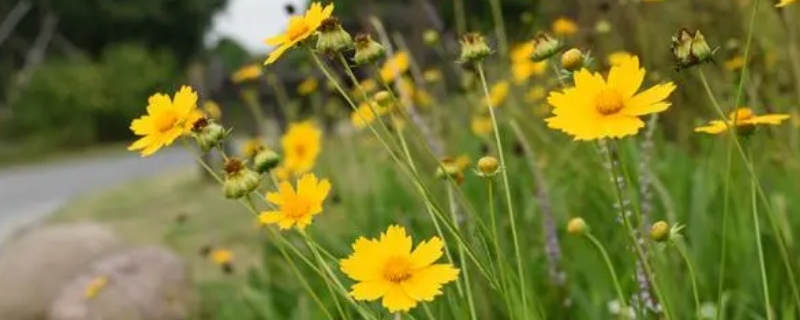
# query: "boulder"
x,y
37,264
148,283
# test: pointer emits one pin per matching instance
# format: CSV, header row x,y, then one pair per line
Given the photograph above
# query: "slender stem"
x,y
620,295
251,101
692,276
724,237
506,185
501,266
499,27
324,266
398,316
461,18
461,254
760,247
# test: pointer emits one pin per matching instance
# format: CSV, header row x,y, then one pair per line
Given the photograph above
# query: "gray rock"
x,y
148,283
36,265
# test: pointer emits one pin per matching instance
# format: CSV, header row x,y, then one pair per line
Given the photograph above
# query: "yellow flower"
x,y
94,287
734,63
481,125
300,28
432,75
365,115
423,98
246,73
395,66
369,86
535,94
597,108
498,93
212,110
296,207
743,119
617,57
281,173
522,70
522,51
301,146
221,256
252,147
565,27
387,268
166,120
784,3
462,162
308,86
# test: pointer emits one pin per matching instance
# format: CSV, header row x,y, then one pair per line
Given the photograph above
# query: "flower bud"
x,y
450,169
332,38
572,59
239,180
488,166
474,48
265,161
660,231
430,37
208,134
690,49
545,47
577,227
367,50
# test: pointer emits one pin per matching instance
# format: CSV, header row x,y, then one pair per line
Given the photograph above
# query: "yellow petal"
x,y
396,241
276,40
647,101
307,184
627,77
275,198
713,127
370,290
141,143
274,55
142,126
426,284
286,223
589,83
185,99
618,126
269,217
396,299
426,253
773,119
366,262
158,102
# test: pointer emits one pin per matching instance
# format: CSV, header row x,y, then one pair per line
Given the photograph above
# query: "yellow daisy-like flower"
x,y
247,73
617,57
522,51
281,173
743,120
221,256
498,93
300,28
784,3
597,108
308,86
524,69
212,110
535,94
481,125
166,120
565,27
301,146
252,147
387,268
296,207
734,63
95,287
394,66
366,114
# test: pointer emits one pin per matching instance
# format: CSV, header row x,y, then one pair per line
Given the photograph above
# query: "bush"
x,y
79,102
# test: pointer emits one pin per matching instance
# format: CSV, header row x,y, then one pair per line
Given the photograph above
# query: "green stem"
x,y
501,266
461,254
329,273
499,27
724,238
506,185
760,247
612,272
692,276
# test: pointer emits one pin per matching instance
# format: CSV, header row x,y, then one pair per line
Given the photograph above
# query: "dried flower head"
x,y
690,49
474,48
367,50
545,47
332,37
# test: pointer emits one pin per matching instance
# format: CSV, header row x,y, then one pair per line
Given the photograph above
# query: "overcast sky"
x,y
250,21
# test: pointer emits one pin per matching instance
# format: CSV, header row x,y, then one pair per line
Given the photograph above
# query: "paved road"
x,y
28,194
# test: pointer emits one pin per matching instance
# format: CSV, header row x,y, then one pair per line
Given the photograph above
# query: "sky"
x,y
250,21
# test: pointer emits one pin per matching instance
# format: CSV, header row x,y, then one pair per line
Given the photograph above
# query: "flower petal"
x,y
773,119
396,299
427,252
366,262
627,77
647,101
713,127
370,290
589,83
185,100
275,54
426,284
396,241
619,125
269,217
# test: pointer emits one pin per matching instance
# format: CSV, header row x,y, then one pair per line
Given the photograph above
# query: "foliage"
x,y
73,102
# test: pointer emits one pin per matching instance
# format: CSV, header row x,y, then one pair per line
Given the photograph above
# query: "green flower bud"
x,y
573,59
545,47
488,166
239,180
430,37
332,38
577,227
474,48
367,50
450,169
208,134
660,231
265,161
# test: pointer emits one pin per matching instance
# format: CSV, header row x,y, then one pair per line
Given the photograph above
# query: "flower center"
x,y
296,208
741,114
609,101
297,27
166,121
300,151
397,269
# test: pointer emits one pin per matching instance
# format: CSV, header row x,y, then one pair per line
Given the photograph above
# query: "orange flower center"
x,y
609,101
397,269
297,28
166,121
300,150
296,208
741,114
